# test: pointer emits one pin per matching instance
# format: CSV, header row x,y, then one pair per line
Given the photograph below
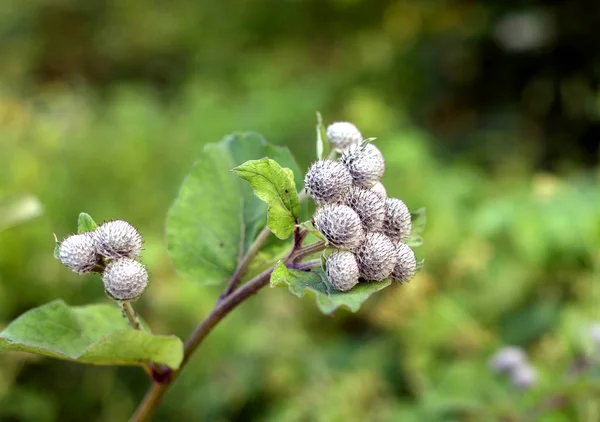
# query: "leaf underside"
x,y
93,334
216,215
316,283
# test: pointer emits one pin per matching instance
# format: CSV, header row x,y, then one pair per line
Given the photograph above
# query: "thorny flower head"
x,y
327,182
79,253
369,206
117,239
376,257
343,134
365,163
342,270
125,279
340,225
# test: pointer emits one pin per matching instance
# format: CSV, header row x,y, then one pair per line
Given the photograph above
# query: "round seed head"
x,y
376,257
379,189
342,270
117,239
343,134
508,359
365,163
78,253
369,206
125,279
327,182
406,266
523,376
397,223
340,225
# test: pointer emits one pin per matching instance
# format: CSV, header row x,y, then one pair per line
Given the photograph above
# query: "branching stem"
x,y
134,321
307,265
245,261
307,250
228,301
129,312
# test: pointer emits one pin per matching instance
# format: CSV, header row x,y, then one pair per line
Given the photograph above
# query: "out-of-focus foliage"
x,y
486,113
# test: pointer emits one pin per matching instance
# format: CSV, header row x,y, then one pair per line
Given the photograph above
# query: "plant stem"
x,y
224,305
307,250
228,300
129,312
245,261
307,265
223,309
134,321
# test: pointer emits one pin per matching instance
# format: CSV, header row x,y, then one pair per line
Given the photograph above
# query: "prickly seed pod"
x,y
379,189
125,279
406,266
508,359
376,257
78,253
117,239
342,270
369,206
523,376
343,134
397,223
365,163
327,182
340,225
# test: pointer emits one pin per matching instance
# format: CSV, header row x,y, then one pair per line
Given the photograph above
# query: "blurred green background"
x,y
488,114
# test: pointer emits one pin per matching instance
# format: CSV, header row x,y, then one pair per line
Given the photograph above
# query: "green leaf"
x,y
419,220
56,251
85,223
94,334
316,282
274,186
216,216
290,175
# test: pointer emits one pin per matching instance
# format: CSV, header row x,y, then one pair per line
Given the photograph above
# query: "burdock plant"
x,y
228,207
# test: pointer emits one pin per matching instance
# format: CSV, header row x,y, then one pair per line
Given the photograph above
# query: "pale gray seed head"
x,y
78,252
365,163
406,266
125,279
508,359
343,134
369,206
379,189
524,376
117,239
342,270
397,223
340,225
376,257
327,182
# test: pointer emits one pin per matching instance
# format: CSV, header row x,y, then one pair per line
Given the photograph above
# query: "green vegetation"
x,y
106,106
